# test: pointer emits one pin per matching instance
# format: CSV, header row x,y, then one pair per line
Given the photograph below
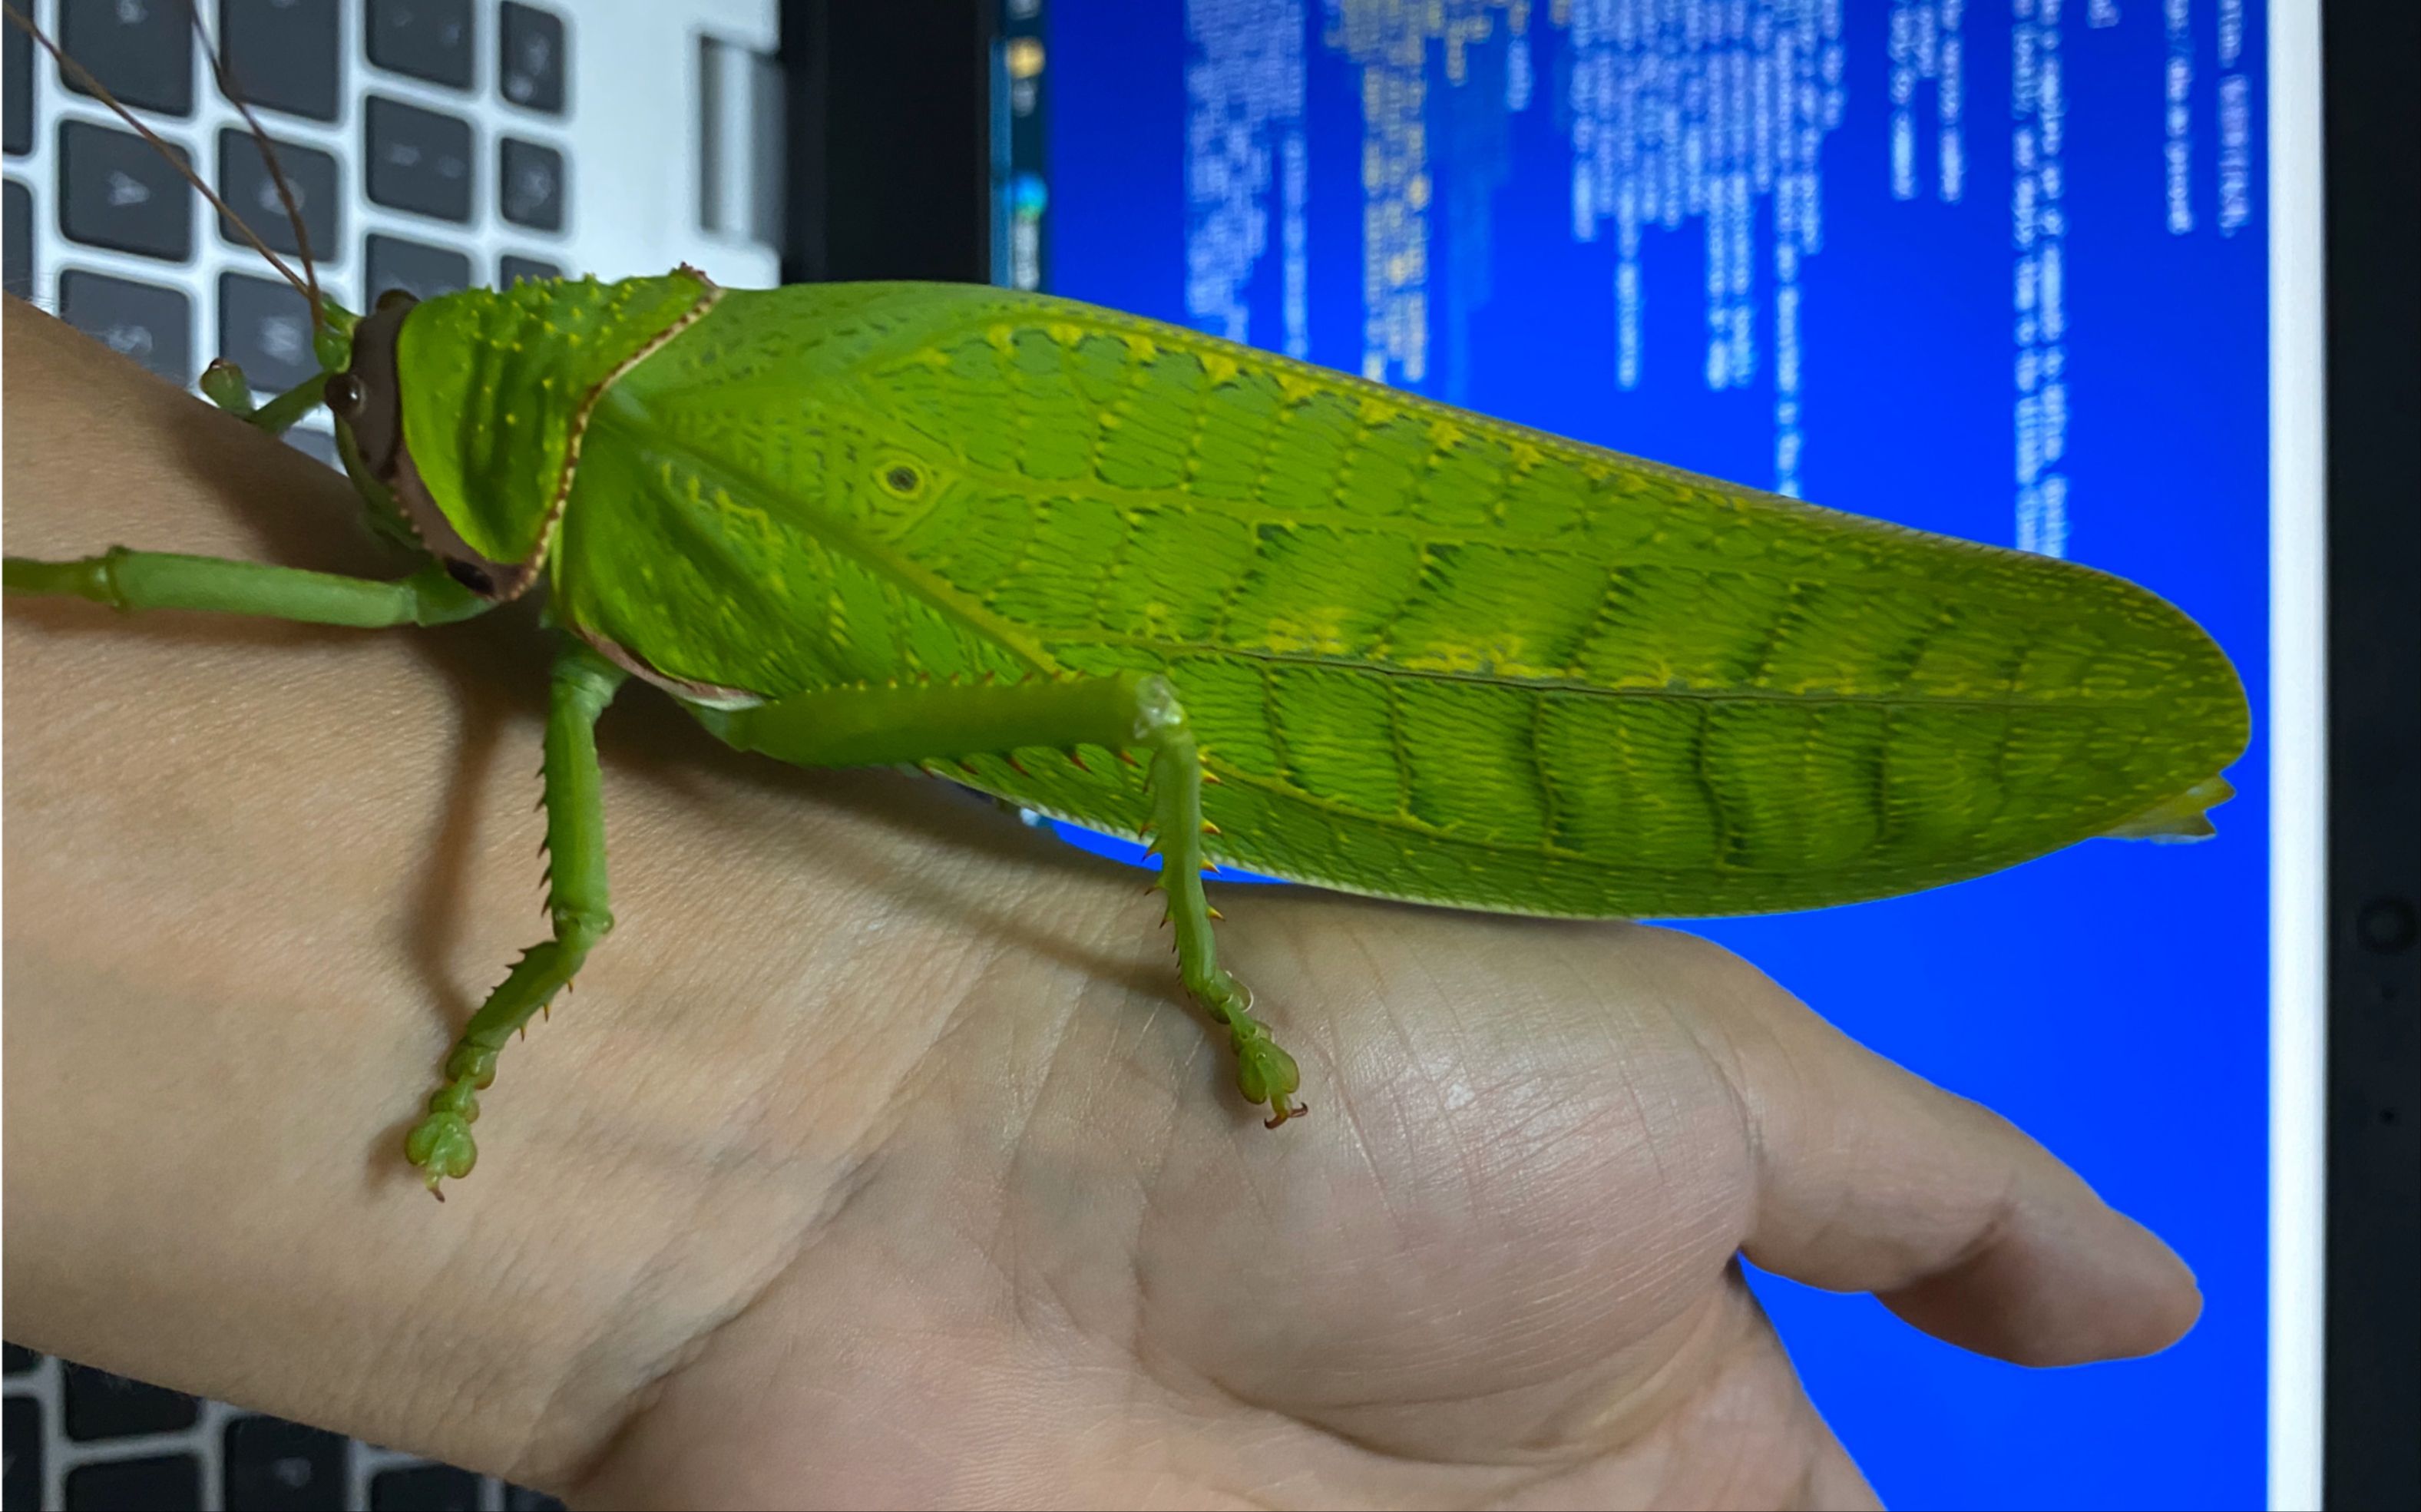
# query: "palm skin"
x,y
876,1162
1494,1270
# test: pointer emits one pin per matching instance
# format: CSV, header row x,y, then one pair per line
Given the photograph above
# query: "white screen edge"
x,y
2298,758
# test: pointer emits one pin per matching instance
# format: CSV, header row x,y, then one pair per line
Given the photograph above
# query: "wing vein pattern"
x,y
1430,655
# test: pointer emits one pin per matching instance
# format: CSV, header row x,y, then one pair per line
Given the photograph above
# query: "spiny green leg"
x,y
1264,1072
162,580
583,685
871,727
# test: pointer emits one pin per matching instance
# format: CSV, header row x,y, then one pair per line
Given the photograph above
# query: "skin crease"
x,y
875,1161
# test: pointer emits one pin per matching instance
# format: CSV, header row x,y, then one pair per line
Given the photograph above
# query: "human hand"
x,y
1497,1271
875,1160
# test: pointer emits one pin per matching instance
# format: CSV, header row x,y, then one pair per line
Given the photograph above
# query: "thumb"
x,y
1869,1178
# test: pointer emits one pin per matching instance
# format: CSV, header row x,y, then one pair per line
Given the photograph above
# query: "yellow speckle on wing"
x,y
1065,332
1319,632
1377,412
1296,388
1141,347
1219,367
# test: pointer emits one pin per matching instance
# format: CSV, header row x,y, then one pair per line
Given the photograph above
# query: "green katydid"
x,y
1091,563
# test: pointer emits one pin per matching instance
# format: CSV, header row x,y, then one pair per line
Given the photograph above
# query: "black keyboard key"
x,y
522,1499
17,271
276,1466
142,51
511,270
530,184
244,183
426,38
282,53
100,1405
21,1444
425,1489
19,85
116,190
154,327
425,271
161,1483
529,57
265,329
20,1359
418,160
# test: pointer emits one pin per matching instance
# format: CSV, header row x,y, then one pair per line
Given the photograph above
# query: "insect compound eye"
x,y
473,578
901,479
344,394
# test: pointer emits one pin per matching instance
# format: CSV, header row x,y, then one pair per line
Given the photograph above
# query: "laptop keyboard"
x,y
423,140
79,1438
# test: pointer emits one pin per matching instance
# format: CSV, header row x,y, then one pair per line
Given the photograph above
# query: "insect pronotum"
x,y
1341,634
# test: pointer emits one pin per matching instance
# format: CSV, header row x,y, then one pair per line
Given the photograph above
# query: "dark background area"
x,y
2371,121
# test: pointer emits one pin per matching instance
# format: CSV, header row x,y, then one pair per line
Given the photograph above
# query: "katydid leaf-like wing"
x,y
1429,655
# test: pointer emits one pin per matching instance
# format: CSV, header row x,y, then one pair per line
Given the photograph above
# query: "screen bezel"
x,y
2371,1388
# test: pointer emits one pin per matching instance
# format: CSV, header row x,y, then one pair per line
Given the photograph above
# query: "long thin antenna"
x,y
184,170
276,175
